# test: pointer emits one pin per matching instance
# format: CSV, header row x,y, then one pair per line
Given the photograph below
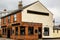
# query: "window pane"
x,y
36,31
8,18
16,30
3,31
46,31
22,30
14,17
4,20
30,30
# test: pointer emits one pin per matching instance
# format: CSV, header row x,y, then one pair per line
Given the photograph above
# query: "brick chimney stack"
x,y
20,6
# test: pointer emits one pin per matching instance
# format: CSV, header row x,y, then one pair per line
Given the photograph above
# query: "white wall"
x,y
47,21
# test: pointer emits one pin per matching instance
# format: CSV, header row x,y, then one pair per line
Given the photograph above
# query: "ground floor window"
x,y
46,31
22,30
16,29
30,30
4,31
36,31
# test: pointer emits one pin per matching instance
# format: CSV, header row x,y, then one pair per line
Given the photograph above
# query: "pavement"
x,y
39,39
5,39
9,39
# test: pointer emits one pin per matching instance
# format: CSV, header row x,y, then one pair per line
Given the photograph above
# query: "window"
x,y
9,19
30,30
16,29
36,31
46,31
22,30
14,17
3,31
4,20
12,31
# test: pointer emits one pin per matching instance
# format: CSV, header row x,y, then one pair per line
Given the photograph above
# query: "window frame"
x,y
31,29
16,30
15,17
46,31
3,31
4,20
22,30
9,19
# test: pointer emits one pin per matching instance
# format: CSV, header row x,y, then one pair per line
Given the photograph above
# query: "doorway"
x,y
39,32
8,33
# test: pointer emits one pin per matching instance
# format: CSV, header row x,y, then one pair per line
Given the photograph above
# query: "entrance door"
x,y
39,32
8,33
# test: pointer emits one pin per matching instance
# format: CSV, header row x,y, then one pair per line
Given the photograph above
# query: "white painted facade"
x,y
47,21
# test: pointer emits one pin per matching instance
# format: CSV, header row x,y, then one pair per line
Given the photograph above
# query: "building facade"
x,y
2,13
31,22
56,31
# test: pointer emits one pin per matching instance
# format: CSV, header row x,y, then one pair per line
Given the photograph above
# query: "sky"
x,y
52,5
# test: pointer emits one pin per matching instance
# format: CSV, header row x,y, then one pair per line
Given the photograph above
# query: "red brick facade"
x,y
8,28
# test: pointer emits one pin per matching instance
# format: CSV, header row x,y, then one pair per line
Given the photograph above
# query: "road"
x,y
5,39
39,39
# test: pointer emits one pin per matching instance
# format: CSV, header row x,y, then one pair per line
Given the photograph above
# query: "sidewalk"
x,y
5,39
9,39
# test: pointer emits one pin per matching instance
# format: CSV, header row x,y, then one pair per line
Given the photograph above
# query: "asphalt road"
x,y
5,39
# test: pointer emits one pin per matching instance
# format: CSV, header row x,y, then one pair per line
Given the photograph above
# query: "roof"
x,y
12,12
15,11
30,5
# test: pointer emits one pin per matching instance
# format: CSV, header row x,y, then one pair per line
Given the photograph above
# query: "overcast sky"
x,y
52,5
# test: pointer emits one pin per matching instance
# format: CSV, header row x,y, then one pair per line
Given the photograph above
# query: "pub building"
x,y
31,22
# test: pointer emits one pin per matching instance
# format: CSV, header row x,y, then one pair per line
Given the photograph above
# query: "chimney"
x,y
5,10
20,6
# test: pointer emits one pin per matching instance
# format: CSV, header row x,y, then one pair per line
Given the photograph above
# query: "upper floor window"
x,y
14,17
8,18
30,30
4,20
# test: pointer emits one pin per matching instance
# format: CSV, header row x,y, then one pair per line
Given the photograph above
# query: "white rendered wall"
x,y
47,21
